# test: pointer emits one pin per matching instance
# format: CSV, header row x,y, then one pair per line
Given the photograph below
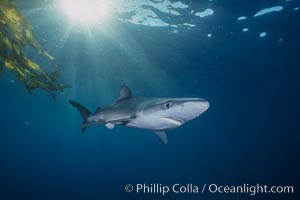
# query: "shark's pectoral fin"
x,y
162,135
110,125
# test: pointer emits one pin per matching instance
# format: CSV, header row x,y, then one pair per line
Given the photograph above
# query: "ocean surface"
x,y
242,56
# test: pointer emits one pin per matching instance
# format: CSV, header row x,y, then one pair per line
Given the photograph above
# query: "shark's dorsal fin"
x,y
162,135
125,93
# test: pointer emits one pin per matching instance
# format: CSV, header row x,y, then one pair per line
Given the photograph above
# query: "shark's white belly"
x,y
153,123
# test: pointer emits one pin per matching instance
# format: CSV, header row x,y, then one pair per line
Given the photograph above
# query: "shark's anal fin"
x,y
110,125
162,135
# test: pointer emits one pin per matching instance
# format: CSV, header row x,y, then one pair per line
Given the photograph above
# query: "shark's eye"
x,y
168,105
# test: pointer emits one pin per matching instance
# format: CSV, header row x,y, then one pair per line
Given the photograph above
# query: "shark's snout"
x,y
205,104
197,106
192,109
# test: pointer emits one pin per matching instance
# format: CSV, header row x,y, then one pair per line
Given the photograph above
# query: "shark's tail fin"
x,y
85,113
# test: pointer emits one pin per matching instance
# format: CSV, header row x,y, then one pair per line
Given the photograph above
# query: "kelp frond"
x,y
16,34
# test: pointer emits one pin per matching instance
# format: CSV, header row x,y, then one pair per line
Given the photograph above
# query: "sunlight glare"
x,y
86,11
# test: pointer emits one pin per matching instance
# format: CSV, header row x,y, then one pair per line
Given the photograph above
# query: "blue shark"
x,y
155,114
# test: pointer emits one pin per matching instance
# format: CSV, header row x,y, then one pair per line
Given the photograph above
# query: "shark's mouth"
x,y
174,120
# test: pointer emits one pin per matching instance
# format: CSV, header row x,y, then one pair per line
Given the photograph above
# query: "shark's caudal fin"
x,y
85,113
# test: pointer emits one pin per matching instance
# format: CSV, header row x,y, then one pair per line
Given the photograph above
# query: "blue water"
x,y
250,134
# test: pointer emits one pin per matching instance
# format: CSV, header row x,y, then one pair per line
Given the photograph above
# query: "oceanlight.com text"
x,y
189,188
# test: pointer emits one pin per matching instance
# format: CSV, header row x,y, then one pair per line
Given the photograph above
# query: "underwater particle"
x,y
280,40
297,8
174,31
245,30
209,35
27,123
12,81
268,10
263,34
205,13
241,18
